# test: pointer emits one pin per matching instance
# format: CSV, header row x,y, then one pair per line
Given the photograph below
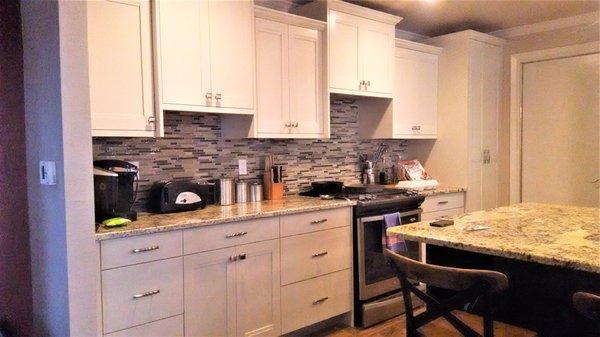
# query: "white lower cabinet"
x,y
141,293
233,291
226,280
311,301
171,327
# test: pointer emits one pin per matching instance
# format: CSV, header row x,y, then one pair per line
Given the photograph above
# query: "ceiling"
x,y
437,17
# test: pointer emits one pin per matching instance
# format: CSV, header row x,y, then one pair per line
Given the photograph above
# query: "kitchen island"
x,y
547,251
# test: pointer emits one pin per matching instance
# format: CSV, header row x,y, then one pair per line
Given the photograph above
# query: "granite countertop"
x,y
441,189
563,236
214,214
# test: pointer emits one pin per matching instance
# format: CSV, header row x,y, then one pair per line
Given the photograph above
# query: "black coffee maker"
x,y
115,189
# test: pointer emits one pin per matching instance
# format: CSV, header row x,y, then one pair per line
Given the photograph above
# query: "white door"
x,y
209,288
305,80
415,94
376,44
258,289
184,52
232,53
560,159
272,84
345,71
120,66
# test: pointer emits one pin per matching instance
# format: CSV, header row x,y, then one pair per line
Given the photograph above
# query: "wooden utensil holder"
x,y
273,191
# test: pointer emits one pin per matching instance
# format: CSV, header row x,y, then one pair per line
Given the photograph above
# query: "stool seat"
x,y
441,328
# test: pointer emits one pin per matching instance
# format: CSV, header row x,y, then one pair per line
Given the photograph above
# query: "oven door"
x,y
375,276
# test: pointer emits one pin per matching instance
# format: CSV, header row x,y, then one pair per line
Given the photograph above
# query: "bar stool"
x,y
442,319
588,305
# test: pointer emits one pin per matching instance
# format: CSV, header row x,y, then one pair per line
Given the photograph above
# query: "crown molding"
x,y
410,36
287,18
546,26
412,45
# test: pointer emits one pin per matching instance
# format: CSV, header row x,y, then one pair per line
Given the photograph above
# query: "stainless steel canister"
x,y
241,192
256,192
226,191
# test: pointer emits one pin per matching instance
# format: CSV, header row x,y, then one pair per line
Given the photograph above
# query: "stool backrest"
x,y
587,305
446,277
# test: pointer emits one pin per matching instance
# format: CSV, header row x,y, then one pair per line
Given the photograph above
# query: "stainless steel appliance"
x,y
167,196
225,191
377,291
115,193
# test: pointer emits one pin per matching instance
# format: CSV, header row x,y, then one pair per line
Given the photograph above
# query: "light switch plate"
x,y
47,172
242,167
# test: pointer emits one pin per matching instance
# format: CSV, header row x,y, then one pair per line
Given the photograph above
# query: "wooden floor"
x,y
396,327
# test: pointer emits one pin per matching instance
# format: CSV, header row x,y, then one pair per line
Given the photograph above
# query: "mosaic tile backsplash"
x,y
193,148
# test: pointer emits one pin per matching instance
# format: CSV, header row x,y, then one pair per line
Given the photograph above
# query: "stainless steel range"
x,y
377,292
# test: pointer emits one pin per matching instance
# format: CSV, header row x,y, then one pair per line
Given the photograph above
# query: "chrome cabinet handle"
x,y
151,120
442,202
316,222
320,254
234,235
361,85
295,125
242,256
145,249
218,97
595,181
368,83
146,294
288,124
320,300
208,95
234,258
412,219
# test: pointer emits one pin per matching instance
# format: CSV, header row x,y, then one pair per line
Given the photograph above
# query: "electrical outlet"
x,y
242,167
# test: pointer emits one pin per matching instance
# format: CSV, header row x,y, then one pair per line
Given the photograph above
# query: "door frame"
x,y
516,102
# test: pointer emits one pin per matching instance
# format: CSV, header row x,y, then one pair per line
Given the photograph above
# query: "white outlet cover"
x,y
242,167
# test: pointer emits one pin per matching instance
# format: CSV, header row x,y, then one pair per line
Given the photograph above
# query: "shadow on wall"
x,y
15,274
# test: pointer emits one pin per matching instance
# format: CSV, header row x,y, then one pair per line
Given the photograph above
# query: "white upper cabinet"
x,y
360,47
205,56
415,90
291,101
120,69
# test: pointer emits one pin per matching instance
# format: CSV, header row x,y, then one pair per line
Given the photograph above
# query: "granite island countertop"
x,y
563,236
441,189
214,214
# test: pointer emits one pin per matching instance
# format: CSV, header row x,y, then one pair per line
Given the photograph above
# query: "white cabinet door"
x,y
345,69
272,82
209,287
305,80
120,68
376,43
232,53
415,94
258,289
183,52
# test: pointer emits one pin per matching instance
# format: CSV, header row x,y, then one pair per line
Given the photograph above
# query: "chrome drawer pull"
x,y
234,235
442,202
320,300
316,222
320,254
146,294
145,249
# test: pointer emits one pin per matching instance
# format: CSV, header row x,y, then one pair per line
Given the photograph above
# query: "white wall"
x,y
65,257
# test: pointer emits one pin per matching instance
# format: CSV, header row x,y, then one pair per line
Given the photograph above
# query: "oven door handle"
x,y
380,217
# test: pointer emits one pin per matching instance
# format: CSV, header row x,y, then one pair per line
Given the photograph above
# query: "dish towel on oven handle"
x,y
393,243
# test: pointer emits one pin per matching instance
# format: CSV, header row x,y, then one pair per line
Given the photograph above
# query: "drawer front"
x,y
230,234
138,249
447,212
315,221
142,293
314,300
172,327
314,254
443,201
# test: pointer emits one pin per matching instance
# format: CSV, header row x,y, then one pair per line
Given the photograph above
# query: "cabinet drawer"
x,y
314,300
314,254
315,221
142,293
231,234
443,201
446,212
172,327
138,249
